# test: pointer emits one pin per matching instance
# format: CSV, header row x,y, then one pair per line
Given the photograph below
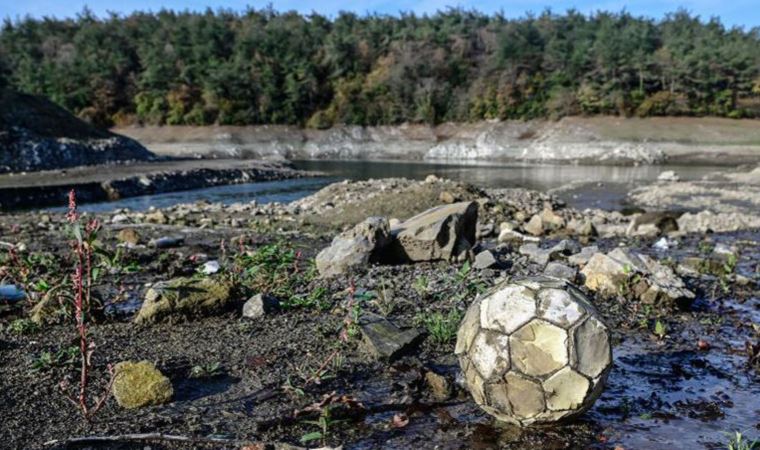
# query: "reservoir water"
x,y
580,186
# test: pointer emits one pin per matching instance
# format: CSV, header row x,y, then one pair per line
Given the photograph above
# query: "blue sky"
x,y
732,12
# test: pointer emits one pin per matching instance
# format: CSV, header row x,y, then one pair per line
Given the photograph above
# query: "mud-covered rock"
x,y
439,385
185,298
355,247
445,232
139,384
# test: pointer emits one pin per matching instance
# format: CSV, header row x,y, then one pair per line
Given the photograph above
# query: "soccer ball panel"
x,y
539,348
507,309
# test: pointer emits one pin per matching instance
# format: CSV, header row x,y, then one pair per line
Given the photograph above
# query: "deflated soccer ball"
x,y
534,351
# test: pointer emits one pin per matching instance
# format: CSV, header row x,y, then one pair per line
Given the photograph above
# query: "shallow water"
x,y
580,186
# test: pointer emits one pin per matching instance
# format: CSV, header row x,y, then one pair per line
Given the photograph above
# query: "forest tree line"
x,y
266,67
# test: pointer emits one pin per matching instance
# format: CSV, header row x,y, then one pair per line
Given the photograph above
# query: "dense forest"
x,y
266,67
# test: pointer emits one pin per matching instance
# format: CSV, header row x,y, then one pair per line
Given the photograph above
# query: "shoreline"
x,y
576,140
114,182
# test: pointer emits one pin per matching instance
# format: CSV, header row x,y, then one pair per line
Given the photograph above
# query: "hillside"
x,y
262,66
36,134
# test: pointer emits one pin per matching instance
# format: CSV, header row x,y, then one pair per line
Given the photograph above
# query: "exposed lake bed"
x,y
684,382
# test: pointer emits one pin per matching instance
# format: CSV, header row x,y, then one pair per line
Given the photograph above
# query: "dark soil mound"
x,y
36,134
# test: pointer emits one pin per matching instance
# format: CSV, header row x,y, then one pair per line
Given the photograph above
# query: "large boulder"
x,y
355,247
534,351
185,298
138,384
622,271
445,232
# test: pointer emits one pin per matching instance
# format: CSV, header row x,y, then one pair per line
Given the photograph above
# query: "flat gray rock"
x,y
259,305
484,260
559,270
384,340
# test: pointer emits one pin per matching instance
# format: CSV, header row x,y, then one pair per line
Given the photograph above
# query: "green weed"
x,y
441,328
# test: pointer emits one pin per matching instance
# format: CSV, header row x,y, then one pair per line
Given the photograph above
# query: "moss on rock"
x,y
185,297
138,384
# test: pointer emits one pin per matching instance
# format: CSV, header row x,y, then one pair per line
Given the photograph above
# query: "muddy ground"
x,y
685,383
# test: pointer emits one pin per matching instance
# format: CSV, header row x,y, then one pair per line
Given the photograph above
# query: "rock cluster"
x,y
534,351
622,271
445,232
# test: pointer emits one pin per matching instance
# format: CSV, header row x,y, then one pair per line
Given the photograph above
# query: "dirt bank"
x,y
593,140
113,182
36,134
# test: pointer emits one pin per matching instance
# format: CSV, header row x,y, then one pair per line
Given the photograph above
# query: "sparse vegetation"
x,y
442,328
737,441
209,370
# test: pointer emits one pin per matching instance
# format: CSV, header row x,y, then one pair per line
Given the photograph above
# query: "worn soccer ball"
x,y
534,351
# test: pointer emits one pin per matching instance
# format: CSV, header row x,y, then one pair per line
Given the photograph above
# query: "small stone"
x,y
581,258
559,270
447,197
210,267
260,305
119,218
166,242
722,250
582,227
485,230
550,220
535,226
661,244
484,260
128,236
156,217
432,179
139,384
668,175
507,226
384,340
439,386
507,236
535,253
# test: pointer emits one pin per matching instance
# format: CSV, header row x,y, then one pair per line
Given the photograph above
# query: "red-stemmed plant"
x,y
82,280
